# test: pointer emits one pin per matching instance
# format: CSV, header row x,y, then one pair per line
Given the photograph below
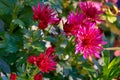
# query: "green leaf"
x,y
19,22
35,2
114,62
97,64
118,22
89,69
59,51
5,7
39,46
11,48
4,66
70,48
40,49
26,16
1,25
51,39
11,43
106,57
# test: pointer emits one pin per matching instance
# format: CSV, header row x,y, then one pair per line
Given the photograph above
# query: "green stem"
x,y
46,32
49,28
35,71
27,69
112,48
14,16
72,38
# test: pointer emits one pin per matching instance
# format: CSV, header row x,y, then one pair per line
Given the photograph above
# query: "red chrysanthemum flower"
x,y
38,77
89,41
92,10
45,62
49,50
32,59
45,15
13,76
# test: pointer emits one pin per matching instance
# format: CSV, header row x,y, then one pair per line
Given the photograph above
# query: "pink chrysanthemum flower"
x,y
91,10
45,15
89,41
45,62
73,21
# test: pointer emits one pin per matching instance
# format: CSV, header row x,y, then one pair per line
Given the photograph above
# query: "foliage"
x,y
20,38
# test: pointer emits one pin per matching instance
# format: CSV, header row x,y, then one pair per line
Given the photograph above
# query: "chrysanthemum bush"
x,y
59,40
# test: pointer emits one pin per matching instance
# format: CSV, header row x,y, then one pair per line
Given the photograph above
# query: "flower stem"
x,y
112,48
45,33
14,16
35,71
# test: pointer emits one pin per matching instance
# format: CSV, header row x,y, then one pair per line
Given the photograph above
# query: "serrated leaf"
x,y
26,15
11,48
6,6
40,49
35,2
51,39
11,43
39,46
4,66
69,48
19,22
4,9
59,51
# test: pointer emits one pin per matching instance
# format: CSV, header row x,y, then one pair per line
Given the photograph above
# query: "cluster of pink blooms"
x,y
45,15
82,25
45,62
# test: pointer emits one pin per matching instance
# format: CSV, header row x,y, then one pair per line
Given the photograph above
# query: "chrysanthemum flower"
x,y
91,10
89,41
45,15
38,77
49,50
13,76
32,59
45,62
73,21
